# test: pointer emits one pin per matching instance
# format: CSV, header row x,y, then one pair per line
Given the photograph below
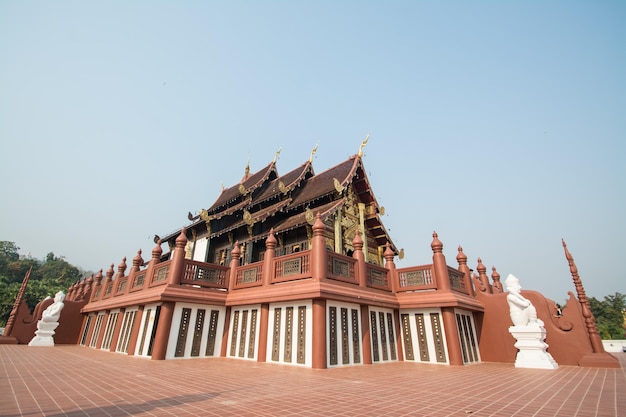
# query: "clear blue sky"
x,y
501,125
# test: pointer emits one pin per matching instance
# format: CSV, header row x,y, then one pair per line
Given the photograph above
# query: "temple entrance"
x,y
423,336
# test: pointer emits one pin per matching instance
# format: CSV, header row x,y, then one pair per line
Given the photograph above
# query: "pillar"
x,y
366,337
224,348
263,328
452,336
159,349
318,342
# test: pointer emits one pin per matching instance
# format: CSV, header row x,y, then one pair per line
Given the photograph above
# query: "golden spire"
x,y
276,155
363,145
247,170
313,152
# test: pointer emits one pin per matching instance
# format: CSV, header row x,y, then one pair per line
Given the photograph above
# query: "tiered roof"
x,y
299,194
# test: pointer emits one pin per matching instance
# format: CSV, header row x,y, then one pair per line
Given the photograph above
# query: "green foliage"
x,y
609,315
47,278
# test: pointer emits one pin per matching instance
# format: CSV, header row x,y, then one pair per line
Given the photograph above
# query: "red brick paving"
x,y
76,381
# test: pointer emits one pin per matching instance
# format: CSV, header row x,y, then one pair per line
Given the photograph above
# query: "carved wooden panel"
x,y
276,334
340,268
288,334
332,326
242,336
161,274
356,342
374,330
233,336
301,347
422,338
157,314
392,337
212,336
197,332
252,341
406,334
345,342
139,280
292,267
440,348
383,335
182,333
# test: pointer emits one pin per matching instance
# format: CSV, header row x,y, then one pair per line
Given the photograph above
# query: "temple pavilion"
x,y
293,269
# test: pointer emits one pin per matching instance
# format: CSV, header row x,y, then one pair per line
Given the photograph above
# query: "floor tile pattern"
x,y
74,381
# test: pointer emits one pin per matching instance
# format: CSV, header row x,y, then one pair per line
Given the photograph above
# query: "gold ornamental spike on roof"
x,y
363,145
277,153
313,152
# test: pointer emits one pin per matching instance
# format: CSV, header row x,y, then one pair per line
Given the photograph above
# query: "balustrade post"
x,y
440,268
156,258
318,250
392,273
234,263
108,279
134,270
361,270
461,258
270,253
177,267
482,276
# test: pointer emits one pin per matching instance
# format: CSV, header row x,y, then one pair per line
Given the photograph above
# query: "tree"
x,y
47,278
609,315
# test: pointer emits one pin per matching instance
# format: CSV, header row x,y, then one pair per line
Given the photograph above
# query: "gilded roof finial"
x,y
313,152
363,144
223,186
247,170
277,153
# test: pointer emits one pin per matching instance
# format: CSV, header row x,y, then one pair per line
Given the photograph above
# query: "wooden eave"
x,y
245,186
300,219
289,181
323,184
258,216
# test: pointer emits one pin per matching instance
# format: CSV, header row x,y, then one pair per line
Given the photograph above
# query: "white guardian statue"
x,y
527,329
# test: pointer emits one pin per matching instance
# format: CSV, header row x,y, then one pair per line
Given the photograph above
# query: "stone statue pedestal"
x,y
44,333
532,347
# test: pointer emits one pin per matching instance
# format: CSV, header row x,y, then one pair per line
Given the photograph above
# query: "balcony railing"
x,y
205,275
418,278
341,268
377,277
457,281
292,267
249,275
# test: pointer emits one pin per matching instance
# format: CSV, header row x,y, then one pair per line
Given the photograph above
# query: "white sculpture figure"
x,y
49,322
522,311
528,331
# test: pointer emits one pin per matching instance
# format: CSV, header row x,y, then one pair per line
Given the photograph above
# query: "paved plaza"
x,y
76,381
